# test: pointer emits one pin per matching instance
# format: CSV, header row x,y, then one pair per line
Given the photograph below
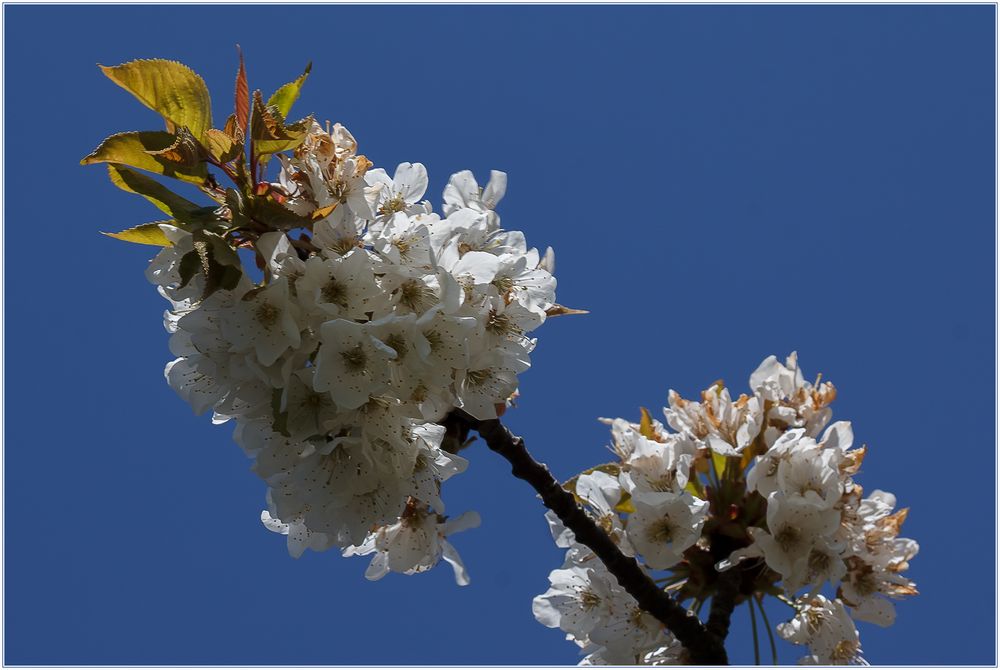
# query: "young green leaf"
x,y
155,151
170,88
286,96
185,150
221,146
269,132
182,209
190,264
646,424
292,136
232,129
218,261
147,233
275,216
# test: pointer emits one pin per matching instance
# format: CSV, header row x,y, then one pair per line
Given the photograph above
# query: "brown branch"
x,y
703,647
723,603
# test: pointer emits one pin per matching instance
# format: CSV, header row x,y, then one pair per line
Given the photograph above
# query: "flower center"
x,y
394,204
339,190
267,314
787,538
398,342
413,293
501,324
589,599
334,293
664,482
504,284
819,562
478,377
402,246
434,339
845,650
661,531
355,359
865,583
344,245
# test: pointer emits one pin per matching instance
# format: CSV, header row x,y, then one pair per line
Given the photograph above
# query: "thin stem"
x,y
787,601
226,169
302,244
703,647
253,165
753,626
770,633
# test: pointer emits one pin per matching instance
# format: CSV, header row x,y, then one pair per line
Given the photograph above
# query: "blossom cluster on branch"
x,y
355,338
758,490
337,364
368,317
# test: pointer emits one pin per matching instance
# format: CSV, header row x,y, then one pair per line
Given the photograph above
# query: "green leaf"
x,y
182,209
694,486
232,128
221,250
646,425
269,132
625,504
274,215
230,277
286,96
170,88
219,262
295,135
154,151
221,146
205,259
134,182
719,463
190,264
147,233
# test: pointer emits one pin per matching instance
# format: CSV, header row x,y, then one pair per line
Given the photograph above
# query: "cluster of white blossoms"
x,y
358,339
371,319
762,484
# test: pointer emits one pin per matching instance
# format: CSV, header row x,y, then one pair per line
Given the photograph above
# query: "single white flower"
x,y
794,527
265,322
825,627
463,191
401,193
489,380
658,466
343,286
351,364
415,544
665,525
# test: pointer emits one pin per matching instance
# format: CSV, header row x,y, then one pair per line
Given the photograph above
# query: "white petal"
x,y
449,554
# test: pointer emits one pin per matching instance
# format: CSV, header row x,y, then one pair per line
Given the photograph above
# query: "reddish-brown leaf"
x,y
242,96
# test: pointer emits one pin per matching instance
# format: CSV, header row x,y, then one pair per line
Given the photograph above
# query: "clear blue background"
x,y
720,184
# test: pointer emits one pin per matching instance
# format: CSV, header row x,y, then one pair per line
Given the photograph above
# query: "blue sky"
x,y
719,183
